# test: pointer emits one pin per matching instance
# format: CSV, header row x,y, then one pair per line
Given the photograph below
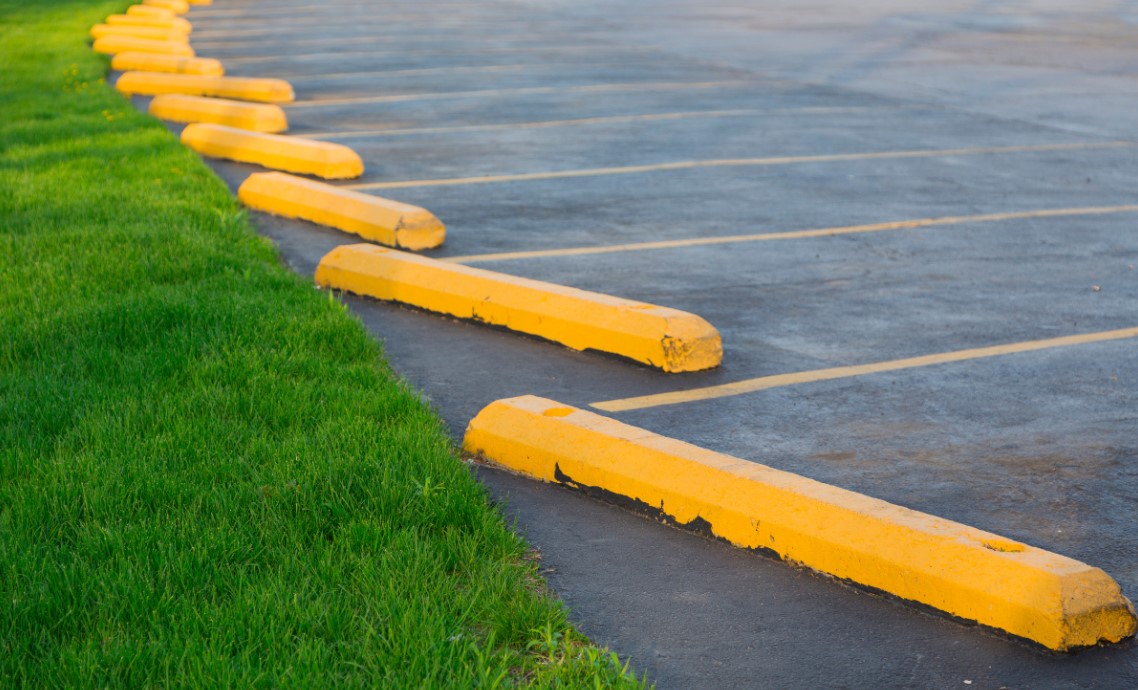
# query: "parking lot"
x,y
948,193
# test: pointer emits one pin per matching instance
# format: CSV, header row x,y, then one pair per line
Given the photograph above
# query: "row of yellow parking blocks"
x,y
1044,597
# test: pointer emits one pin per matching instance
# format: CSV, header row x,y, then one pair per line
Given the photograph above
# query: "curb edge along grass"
x,y
1033,594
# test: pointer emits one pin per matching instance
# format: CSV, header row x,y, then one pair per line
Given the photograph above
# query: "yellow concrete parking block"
x,y
172,64
667,339
1034,594
153,33
200,2
258,117
175,6
240,88
291,154
112,45
170,22
371,217
148,11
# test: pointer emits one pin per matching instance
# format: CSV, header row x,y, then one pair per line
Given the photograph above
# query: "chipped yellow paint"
x,y
743,162
667,339
114,44
371,217
171,64
794,234
153,33
1053,600
169,22
240,88
257,117
279,152
149,11
175,6
765,382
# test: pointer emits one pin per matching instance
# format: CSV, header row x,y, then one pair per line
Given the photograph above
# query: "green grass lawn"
x,y
208,475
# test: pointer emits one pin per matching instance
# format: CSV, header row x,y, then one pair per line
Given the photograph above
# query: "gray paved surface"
x,y
1040,447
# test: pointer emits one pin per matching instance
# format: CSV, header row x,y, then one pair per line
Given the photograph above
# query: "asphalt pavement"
x,y
970,168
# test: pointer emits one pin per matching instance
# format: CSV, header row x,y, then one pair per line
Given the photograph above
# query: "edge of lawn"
x,y
208,474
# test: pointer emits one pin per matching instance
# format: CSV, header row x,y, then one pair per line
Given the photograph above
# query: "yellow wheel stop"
x,y
667,339
153,33
240,88
170,22
292,154
371,217
175,6
148,11
258,117
1034,594
112,45
173,64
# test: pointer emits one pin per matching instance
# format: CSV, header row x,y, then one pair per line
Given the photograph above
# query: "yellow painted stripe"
x,y
252,42
257,117
341,54
528,90
371,217
779,380
791,235
292,154
171,64
240,88
609,119
1034,594
459,69
667,339
741,162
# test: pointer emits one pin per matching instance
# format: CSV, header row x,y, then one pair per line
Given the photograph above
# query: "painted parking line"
x,y
273,39
456,69
523,91
339,54
611,119
777,381
793,234
1035,594
742,162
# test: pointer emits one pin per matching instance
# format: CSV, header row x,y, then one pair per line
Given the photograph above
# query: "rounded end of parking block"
x,y
174,6
153,33
1043,597
171,22
279,152
170,64
374,218
114,44
257,117
660,337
